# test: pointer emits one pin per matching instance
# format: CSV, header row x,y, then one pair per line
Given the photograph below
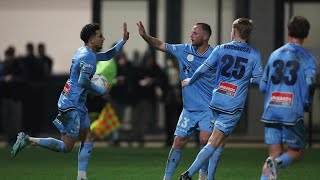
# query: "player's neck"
x,y
295,40
91,47
238,39
202,49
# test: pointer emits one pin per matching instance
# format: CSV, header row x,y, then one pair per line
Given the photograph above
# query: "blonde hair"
x,y
243,26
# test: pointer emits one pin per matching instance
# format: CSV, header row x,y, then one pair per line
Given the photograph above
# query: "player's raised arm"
x,y
152,41
105,56
200,72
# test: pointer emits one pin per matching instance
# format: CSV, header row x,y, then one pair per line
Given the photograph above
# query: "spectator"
x,y
45,60
10,101
173,101
32,66
145,80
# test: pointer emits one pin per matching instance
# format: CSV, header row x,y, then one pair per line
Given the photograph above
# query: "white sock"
x,y
82,174
34,141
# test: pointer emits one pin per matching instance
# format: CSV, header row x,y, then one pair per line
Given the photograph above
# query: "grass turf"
x,y
145,164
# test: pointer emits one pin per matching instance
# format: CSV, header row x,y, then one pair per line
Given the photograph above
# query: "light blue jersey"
x,y
285,82
198,96
78,85
237,64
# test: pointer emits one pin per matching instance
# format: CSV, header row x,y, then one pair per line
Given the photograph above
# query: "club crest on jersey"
x,y
227,89
281,99
190,57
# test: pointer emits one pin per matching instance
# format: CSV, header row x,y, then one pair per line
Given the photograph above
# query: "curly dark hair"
x,y
88,31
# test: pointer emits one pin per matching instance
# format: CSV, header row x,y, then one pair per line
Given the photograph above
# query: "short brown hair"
x,y
205,27
298,27
243,26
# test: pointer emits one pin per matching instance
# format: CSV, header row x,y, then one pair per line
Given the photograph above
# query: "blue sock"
x,y
213,163
172,162
264,177
204,167
84,155
203,156
52,144
284,160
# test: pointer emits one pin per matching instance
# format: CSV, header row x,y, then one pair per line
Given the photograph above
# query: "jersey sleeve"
x,y
257,70
86,66
310,74
175,49
213,58
86,70
104,56
310,67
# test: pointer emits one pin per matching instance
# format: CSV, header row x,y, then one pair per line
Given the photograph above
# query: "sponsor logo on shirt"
x,y
227,89
281,99
66,89
186,69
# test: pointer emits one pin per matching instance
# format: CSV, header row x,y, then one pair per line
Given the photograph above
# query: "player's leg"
x,y
293,136
182,133
214,160
273,138
86,146
223,126
203,140
206,119
207,151
174,156
68,125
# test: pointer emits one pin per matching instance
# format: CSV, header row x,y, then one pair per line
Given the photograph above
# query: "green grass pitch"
x,y
145,164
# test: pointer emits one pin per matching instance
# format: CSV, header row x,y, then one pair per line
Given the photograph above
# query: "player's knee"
x,y
203,140
179,142
68,147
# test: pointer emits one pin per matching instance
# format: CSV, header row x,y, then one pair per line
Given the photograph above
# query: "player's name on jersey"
x,y
237,48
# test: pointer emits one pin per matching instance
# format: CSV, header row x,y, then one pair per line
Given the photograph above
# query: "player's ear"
x,y
90,40
206,37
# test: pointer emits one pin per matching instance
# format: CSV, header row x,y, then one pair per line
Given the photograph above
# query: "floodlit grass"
x,y
145,164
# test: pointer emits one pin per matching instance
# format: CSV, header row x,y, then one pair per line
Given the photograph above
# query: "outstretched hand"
x,y
185,82
141,29
125,31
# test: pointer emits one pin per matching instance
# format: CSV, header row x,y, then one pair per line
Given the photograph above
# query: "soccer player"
x,y
195,113
288,81
72,119
237,64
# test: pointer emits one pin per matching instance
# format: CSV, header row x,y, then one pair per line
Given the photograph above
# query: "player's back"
x,y
286,90
237,62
